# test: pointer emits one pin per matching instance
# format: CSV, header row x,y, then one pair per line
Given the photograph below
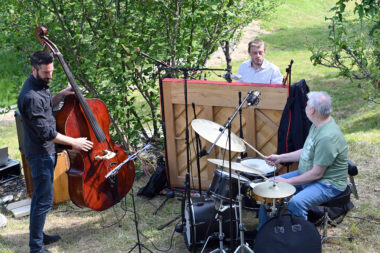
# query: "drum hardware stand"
x,y
273,208
242,247
249,96
220,234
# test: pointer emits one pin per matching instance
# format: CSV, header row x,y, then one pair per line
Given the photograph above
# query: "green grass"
x,y
292,28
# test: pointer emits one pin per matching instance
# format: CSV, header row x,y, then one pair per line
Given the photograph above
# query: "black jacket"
x,y
291,137
35,105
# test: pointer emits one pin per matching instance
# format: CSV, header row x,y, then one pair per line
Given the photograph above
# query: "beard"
x,y
258,62
45,81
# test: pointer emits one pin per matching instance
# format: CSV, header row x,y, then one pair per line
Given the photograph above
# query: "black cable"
x,y
171,240
365,219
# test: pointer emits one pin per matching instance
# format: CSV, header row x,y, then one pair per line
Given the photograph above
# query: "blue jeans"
x,y
306,197
42,170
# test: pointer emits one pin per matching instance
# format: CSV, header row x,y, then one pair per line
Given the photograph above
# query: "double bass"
x,y
81,117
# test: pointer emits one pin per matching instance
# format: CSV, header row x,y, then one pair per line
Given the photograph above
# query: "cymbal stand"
x,y
273,208
242,247
228,126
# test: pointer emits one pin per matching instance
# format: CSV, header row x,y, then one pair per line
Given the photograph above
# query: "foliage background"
x,y
102,40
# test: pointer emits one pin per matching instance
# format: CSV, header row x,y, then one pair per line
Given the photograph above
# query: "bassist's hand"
x,y
82,143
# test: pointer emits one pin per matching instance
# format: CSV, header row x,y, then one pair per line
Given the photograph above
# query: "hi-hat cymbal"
x,y
210,131
274,190
235,166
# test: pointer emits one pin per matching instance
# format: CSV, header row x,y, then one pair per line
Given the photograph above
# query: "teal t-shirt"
x,y
326,146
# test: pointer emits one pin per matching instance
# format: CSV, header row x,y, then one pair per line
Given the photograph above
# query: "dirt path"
x,y
7,118
240,50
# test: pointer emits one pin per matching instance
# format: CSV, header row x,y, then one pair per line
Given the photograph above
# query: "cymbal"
x,y
273,190
210,131
235,166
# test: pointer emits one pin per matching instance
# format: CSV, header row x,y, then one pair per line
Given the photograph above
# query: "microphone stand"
x,y
185,72
112,174
289,71
198,148
289,76
158,64
242,154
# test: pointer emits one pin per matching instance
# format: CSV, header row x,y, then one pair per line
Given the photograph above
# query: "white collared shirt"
x,y
267,73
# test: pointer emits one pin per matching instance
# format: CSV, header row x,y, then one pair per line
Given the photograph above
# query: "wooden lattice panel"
x,y
216,101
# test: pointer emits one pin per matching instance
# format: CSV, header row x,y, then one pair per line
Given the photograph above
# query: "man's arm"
x,y
61,95
79,143
284,158
314,174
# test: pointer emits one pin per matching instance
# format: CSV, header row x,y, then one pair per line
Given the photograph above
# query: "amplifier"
x,y
60,181
13,168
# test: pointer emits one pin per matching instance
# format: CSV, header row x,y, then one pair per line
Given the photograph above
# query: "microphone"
x,y
229,77
253,99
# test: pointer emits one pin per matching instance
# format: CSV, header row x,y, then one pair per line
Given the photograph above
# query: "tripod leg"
x,y
162,204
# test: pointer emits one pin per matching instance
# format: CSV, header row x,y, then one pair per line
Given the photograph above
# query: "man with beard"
x,y
257,69
323,160
36,108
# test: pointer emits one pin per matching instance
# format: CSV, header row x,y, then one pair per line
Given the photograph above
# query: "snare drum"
x,y
220,186
258,164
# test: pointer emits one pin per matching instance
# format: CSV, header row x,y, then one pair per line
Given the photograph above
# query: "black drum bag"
x,y
288,233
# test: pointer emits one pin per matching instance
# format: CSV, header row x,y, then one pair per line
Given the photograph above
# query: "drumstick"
x,y
258,152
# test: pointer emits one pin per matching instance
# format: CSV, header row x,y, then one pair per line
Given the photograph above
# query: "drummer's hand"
x,y
279,179
273,160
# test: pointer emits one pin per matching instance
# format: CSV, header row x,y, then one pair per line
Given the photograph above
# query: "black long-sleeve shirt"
x,y
36,109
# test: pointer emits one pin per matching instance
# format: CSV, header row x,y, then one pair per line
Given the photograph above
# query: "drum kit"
x,y
248,179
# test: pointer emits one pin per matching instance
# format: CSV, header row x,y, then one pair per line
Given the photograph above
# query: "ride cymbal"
x,y
210,131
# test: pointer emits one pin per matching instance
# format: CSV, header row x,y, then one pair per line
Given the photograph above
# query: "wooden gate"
x,y
216,101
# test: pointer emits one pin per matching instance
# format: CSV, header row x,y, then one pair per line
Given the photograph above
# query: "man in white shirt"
x,y
257,69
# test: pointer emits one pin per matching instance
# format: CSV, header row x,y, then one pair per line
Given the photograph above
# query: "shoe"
x,y
49,239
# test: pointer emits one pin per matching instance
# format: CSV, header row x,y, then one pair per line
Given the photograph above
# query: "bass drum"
x,y
204,222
